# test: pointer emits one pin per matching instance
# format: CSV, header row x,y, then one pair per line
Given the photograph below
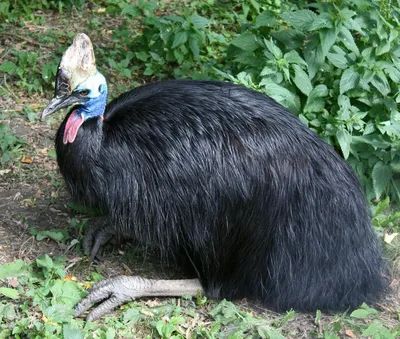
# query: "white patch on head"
x,y
92,83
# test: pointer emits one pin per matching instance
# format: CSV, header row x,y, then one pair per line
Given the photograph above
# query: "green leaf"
x,y
393,73
349,80
266,18
301,20
111,333
316,101
14,269
328,38
266,331
375,140
348,40
381,176
382,205
338,60
301,80
383,47
72,332
9,292
380,82
319,91
44,261
179,38
291,38
281,95
198,21
314,57
324,20
246,41
175,18
66,293
293,57
378,331
395,165
132,315
59,313
344,139
56,234
275,50
131,10
268,70
194,47
360,314
9,67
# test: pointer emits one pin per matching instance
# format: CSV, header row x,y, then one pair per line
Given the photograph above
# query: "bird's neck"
x,y
94,107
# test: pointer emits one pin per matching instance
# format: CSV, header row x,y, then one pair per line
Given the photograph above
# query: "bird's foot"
x,y
113,292
94,239
116,291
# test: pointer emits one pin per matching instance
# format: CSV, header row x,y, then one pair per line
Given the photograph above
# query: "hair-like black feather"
x,y
236,188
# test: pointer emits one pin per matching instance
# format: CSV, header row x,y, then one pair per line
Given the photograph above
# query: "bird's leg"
x,y
95,238
116,291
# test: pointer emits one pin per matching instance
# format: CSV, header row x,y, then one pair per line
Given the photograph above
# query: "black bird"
x,y
248,201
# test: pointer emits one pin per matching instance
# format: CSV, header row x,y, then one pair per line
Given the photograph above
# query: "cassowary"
x,y
247,200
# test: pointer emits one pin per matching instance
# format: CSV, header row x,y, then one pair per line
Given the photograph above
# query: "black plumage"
x,y
234,187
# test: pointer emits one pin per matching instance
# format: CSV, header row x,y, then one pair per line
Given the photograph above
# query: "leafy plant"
x,y
11,146
337,67
12,10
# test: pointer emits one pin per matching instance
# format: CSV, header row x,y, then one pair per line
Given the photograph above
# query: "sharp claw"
x,y
94,239
100,239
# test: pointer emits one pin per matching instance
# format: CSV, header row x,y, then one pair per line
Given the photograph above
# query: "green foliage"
x,y
59,235
11,147
338,68
385,217
12,10
27,72
40,287
171,43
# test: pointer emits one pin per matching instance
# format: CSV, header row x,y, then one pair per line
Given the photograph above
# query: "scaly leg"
x,y
116,291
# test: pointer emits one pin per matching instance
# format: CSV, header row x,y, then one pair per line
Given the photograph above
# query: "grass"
x,y
38,292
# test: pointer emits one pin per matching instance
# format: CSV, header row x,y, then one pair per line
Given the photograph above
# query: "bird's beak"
x,y
59,102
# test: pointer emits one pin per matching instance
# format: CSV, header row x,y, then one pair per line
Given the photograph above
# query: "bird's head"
x,y
78,81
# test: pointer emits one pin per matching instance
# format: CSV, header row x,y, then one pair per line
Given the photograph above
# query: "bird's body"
x,y
234,187
243,195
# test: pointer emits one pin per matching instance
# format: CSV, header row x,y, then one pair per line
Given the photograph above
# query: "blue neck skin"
x,y
95,107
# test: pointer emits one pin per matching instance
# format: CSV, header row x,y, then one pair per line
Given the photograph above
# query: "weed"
x,y
11,147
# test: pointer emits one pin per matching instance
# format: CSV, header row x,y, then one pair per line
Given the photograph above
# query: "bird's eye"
x,y
84,93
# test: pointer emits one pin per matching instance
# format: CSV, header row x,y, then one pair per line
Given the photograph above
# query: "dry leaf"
x,y
70,278
13,282
388,238
100,10
2,172
349,333
26,160
165,319
148,313
43,151
152,303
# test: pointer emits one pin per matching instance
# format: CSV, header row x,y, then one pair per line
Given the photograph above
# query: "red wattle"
x,y
74,121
